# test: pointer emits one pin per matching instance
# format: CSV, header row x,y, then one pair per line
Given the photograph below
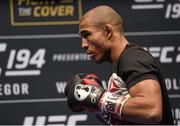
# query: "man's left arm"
x,y
145,104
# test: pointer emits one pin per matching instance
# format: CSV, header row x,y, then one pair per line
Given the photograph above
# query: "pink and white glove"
x,y
112,101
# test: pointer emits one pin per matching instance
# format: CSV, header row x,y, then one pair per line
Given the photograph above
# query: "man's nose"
x,y
84,44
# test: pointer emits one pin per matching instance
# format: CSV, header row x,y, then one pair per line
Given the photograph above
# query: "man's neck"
x,y
118,47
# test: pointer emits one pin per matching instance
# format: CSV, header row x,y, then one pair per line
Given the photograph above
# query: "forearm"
x,y
142,110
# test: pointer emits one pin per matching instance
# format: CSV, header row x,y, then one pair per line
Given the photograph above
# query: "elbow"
x,y
154,117
154,112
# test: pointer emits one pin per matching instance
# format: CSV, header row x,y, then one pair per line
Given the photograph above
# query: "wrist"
x,y
112,103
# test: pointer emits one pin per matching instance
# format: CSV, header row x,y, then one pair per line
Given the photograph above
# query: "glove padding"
x,y
83,91
112,101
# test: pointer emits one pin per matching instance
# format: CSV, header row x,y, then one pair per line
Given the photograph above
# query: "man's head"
x,y
98,27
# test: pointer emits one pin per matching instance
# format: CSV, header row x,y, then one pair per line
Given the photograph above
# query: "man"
x,y
136,91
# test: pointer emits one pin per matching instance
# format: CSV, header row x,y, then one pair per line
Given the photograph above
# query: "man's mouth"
x,y
90,54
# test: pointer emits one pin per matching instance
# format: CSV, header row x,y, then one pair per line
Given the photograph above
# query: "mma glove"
x,y
85,91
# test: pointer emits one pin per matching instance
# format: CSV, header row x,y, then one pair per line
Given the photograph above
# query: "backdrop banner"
x,y
40,50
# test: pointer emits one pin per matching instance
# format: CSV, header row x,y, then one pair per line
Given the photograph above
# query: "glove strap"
x,y
112,104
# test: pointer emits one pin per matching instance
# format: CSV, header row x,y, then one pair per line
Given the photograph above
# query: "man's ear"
x,y
109,31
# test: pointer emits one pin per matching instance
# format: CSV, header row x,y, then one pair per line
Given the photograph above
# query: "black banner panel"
x,y
40,49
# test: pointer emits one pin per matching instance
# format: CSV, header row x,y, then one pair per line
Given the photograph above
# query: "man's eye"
x,y
85,34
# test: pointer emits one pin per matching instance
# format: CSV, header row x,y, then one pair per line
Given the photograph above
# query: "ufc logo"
x,y
165,54
51,120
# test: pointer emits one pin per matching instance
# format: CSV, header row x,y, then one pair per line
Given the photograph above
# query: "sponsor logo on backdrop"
x,y
44,12
21,62
69,57
176,113
172,84
173,87
165,54
7,89
171,8
55,120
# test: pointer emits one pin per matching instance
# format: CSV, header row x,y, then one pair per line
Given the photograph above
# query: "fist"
x,y
83,91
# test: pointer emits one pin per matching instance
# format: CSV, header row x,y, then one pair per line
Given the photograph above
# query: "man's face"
x,y
94,41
